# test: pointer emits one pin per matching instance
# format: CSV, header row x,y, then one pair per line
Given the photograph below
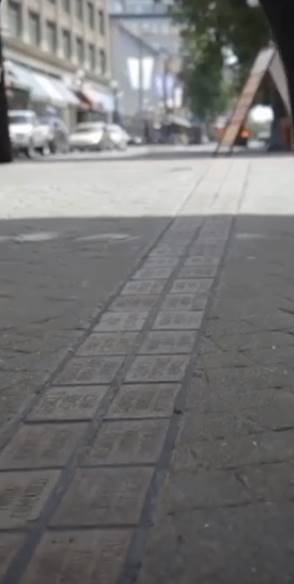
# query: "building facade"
x,y
59,51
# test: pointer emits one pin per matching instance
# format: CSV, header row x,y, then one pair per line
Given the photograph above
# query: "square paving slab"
x,y
68,403
83,370
144,401
168,342
169,368
104,496
127,442
79,557
108,344
121,321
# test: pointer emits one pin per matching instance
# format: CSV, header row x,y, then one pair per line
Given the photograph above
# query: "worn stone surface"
x,y
124,321
136,442
168,342
202,271
10,544
144,287
169,368
68,403
84,370
193,286
90,557
144,401
104,496
181,320
180,302
153,273
41,445
23,496
134,303
108,344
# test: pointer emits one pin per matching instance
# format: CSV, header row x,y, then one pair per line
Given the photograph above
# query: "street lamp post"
x,y
5,144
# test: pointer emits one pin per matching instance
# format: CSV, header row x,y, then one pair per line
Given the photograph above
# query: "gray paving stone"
x,y
198,271
23,495
161,260
169,342
121,321
10,543
87,557
147,369
108,344
181,320
104,496
144,287
153,273
178,302
42,445
127,442
68,403
134,303
84,370
182,286
144,401
202,261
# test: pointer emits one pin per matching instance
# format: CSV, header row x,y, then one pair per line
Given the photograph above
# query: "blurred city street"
x,y
146,311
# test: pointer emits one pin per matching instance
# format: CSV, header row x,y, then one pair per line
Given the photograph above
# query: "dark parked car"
x,y
58,134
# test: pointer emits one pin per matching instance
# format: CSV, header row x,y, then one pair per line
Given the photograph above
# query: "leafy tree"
x,y
213,28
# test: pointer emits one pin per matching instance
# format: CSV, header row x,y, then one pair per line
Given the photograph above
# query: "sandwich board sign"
x,y
267,61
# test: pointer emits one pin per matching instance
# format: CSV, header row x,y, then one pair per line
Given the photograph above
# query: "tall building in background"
x,y
157,55
57,53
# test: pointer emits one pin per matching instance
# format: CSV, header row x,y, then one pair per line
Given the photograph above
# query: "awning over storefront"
x,y
96,98
42,88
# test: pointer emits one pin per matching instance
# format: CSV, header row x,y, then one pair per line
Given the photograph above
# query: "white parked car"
x,y
88,136
27,134
117,136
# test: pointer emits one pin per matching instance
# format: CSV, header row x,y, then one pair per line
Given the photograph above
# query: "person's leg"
x,y
280,14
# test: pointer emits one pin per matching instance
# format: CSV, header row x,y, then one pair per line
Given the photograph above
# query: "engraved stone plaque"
x,y
124,321
23,495
127,442
134,303
191,286
144,401
169,368
104,496
144,287
41,445
108,344
68,403
169,342
83,370
182,320
153,273
85,557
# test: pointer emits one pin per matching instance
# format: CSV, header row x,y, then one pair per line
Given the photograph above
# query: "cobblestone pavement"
x,y
160,450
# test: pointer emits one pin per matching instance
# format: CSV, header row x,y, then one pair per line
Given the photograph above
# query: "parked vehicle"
x,y
27,134
88,136
98,136
118,138
58,134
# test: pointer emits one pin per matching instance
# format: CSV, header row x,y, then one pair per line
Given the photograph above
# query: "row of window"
x,y
34,31
14,9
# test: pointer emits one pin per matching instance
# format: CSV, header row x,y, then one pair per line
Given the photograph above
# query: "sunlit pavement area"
x,y
146,379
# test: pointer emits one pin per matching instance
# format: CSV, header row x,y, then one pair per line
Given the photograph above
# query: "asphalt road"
x,y
70,232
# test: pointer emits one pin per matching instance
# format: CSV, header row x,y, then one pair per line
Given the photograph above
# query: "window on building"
x,y
101,22
14,16
92,57
66,5
66,44
80,50
51,34
90,11
34,28
102,61
79,9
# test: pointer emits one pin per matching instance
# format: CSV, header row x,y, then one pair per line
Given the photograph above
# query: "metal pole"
x,y
5,144
141,82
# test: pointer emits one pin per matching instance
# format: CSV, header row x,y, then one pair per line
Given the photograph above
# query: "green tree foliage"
x,y
211,28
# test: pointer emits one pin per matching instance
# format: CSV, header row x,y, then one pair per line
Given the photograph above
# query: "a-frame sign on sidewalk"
x,y
268,61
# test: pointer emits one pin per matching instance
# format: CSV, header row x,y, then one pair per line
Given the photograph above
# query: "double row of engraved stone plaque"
x,y
79,466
